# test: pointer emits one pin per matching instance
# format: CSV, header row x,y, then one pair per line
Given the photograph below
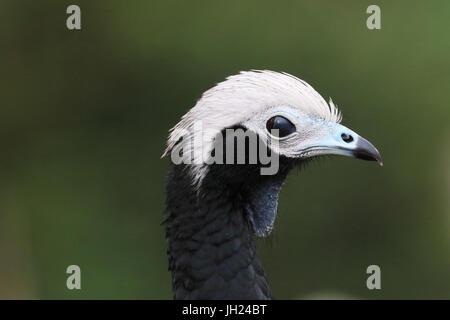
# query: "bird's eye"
x,y
284,126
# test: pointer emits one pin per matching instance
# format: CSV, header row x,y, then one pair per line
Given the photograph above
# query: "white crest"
x,y
239,98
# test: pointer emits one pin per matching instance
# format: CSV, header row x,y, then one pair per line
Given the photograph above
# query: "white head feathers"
x,y
242,96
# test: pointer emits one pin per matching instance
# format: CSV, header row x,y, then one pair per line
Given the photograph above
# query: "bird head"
x,y
297,123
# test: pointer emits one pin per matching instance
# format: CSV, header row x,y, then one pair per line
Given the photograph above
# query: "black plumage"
x,y
211,238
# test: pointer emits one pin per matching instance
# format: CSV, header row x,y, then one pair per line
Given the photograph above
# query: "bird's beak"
x,y
337,139
366,151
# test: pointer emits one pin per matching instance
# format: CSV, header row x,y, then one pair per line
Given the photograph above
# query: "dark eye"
x,y
284,126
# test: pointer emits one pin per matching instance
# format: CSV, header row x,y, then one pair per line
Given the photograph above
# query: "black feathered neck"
x,y
211,231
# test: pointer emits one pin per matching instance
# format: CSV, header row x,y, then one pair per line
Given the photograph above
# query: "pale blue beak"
x,y
340,140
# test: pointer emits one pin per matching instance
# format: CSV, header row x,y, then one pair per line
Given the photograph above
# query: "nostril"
x,y
347,137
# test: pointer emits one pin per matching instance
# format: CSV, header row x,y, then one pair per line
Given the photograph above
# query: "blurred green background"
x,y
85,114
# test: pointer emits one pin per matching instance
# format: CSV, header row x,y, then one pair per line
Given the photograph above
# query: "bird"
x,y
215,210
